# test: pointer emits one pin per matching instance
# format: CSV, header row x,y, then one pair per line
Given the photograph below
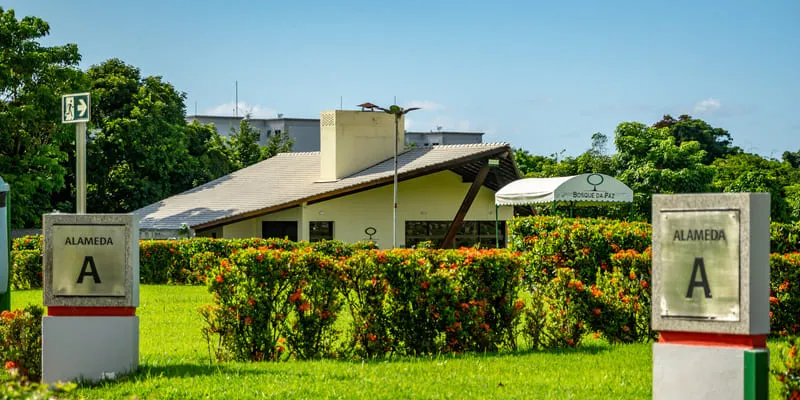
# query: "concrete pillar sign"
x,y
91,290
710,301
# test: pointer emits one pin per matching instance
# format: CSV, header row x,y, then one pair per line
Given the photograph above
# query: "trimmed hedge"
x,y
26,269
273,304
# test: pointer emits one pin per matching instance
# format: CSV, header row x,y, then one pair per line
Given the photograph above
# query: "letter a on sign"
x,y
89,262
700,265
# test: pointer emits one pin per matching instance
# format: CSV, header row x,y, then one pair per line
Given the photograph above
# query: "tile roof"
x,y
288,178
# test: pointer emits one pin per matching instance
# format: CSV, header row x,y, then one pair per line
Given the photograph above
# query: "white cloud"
x,y
255,111
426,105
708,105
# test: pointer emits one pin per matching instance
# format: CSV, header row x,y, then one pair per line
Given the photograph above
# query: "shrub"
x,y
784,298
555,314
784,238
620,298
26,269
30,242
789,378
21,341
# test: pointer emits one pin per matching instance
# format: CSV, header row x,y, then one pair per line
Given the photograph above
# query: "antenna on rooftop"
x,y
236,105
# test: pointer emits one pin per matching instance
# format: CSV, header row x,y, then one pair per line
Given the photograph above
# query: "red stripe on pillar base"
x,y
68,311
713,339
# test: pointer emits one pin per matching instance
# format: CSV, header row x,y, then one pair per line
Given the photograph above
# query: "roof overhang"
x,y
467,167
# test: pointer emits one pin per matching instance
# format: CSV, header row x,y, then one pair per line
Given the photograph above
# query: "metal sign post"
x,y
76,109
5,246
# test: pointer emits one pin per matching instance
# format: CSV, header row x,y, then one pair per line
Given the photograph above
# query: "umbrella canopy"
x,y
585,188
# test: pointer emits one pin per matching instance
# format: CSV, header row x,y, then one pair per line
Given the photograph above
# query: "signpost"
x,y
711,296
91,280
76,108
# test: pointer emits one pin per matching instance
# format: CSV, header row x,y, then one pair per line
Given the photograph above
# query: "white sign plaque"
x,y
700,264
89,260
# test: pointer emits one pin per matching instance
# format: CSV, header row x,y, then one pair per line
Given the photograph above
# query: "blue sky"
x,y
543,76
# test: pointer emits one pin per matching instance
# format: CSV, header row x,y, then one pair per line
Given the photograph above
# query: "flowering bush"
x,y
21,341
555,314
582,244
789,378
30,242
784,298
26,269
784,238
272,303
620,298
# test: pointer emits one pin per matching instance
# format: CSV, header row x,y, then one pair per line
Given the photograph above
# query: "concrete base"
x,y
88,348
698,372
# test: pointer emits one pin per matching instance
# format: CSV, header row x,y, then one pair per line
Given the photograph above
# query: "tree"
x,y
139,147
651,162
277,143
792,157
716,142
32,140
751,173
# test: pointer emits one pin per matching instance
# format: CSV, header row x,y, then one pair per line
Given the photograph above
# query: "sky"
x,y
540,75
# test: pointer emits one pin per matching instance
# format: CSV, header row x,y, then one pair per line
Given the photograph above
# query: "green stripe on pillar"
x,y
756,374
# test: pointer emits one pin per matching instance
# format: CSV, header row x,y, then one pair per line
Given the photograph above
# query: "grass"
x,y
174,363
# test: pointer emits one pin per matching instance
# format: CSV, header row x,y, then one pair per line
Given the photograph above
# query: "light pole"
x,y
397,111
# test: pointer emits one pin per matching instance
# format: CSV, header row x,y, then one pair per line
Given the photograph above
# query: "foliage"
x,y
29,242
21,341
620,298
750,173
138,153
784,284
789,373
652,162
26,269
555,314
16,386
33,144
716,142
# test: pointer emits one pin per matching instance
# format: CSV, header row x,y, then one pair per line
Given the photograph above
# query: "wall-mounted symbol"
x,y
592,180
370,231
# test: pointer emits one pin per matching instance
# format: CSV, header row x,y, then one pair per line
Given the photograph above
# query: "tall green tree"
x,y
245,148
716,142
752,173
139,146
32,141
650,162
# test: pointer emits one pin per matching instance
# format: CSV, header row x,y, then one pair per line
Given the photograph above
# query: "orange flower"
x,y
625,328
10,365
597,311
596,335
519,305
371,337
784,286
297,295
304,307
424,285
645,284
260,257
773,300
252,301
247,321
632,275
220,279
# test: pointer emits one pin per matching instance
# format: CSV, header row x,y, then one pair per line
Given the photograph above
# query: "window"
x,y
277,131
472,233
320,230
279,229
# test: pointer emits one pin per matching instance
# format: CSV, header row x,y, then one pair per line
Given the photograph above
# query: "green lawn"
x,y
174,363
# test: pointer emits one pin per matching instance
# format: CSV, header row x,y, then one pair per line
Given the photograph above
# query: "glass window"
x,y
472,233
320,230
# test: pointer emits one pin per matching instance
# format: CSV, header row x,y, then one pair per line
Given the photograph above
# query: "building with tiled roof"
x,y
345,191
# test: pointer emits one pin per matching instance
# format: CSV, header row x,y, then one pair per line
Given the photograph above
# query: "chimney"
x,y
351,141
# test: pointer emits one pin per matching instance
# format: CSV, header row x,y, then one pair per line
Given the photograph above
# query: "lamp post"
x,y
397,111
